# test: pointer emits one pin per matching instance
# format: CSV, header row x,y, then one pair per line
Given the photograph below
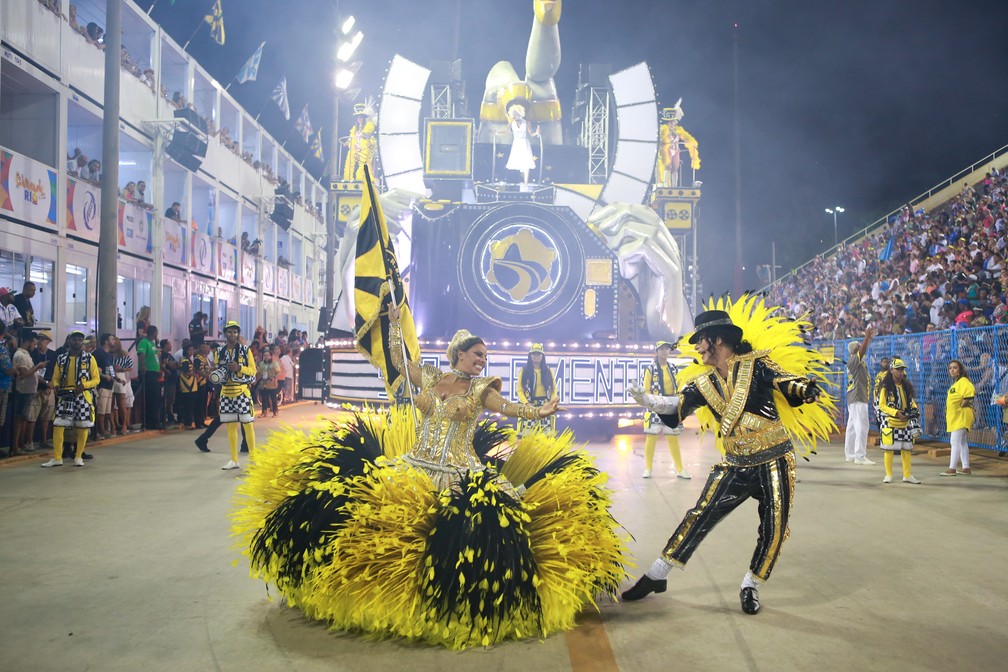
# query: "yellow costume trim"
x,y
771,334
540,111
692,146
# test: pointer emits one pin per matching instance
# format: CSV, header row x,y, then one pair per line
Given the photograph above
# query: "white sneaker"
x,y
79,462
911,479
887,479
231,465
52,463
685,475
850,459
862,460
647,473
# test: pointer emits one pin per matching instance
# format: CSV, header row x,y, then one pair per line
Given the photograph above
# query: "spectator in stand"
x,y
71,164
150,372
122,388
188,387
169,379
45,399
24,305
287,364
198,328
25,389
74,25
141,193
95,35
9,314
174,212
129,192
6,383
268,374
101,351
93,171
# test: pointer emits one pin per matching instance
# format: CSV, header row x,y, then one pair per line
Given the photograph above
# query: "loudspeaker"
x,y
184,159
323,319
190,143
190,115
448,148
188,149
283,214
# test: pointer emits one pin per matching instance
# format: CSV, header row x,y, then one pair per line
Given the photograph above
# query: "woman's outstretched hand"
x,y
549,408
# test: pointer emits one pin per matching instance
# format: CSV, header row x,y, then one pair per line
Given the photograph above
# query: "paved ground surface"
x,y
127,564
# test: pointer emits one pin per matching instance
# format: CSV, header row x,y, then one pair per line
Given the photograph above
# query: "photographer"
x,y
899,418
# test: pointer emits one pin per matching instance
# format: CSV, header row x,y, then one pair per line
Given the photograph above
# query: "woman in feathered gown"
x,y
442,533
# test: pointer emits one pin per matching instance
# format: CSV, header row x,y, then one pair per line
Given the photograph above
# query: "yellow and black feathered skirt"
x,y
355,537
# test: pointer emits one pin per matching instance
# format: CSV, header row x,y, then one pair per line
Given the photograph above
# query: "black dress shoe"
x,y
644,587
750,600
87,456
201,443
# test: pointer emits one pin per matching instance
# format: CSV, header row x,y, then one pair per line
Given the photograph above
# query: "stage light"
x,y
346,49
348,25
343,78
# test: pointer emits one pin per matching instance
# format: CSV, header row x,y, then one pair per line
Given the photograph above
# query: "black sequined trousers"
x,y
771,484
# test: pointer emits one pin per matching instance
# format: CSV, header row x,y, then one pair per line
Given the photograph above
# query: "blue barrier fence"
x,y
982,350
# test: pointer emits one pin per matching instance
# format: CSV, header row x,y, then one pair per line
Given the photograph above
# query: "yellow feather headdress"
x,y
766,328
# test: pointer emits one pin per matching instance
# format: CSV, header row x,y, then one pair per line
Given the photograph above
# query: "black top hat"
x,y
713,318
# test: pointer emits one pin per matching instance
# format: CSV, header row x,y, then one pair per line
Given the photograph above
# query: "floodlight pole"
x,y
108,241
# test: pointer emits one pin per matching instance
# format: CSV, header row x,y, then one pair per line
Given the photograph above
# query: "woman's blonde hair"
x,y
460,342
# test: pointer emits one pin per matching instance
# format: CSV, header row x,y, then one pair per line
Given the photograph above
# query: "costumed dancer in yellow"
x,y
74,378
959,418
750,396
660,379
899,414
434,533
671,136
236,392
361,144
536,386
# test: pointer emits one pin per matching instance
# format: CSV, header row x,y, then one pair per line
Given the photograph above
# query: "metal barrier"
x,y
983,352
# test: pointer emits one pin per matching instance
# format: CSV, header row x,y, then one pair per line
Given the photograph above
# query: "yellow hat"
x,y
76,332
536,347
661,343
897,363
231,324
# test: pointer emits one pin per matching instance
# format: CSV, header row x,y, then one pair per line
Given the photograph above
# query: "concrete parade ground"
x,y
128,564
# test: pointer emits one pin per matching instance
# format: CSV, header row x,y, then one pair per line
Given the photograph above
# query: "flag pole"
x,y
392,296
262,109
186,45
233,80
153,5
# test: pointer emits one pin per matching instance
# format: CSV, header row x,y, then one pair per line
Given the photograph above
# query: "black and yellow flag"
x,y
216,21
375,264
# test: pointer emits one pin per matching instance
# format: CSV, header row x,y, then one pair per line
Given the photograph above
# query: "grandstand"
x,y
932,278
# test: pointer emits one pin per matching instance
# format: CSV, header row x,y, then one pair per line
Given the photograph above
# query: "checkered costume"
x,y
75,409
236,393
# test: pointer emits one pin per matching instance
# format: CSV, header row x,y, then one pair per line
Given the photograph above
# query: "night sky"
x,y
862,104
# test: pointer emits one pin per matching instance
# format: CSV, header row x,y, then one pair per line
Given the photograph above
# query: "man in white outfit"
x,y
858,400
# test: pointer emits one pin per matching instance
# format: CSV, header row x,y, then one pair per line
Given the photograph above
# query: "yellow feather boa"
x,y
766,328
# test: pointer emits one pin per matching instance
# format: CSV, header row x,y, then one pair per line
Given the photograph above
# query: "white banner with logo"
x,y
135,228
175,246
296,294
283,283
83,209
248,270
268,276
202,253
226,261
27,189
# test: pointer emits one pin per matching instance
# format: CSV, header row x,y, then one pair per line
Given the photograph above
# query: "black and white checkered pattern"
x,y
236,408
75,411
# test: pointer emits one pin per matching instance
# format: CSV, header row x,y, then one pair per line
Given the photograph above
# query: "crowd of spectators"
x,y
919,272
80,166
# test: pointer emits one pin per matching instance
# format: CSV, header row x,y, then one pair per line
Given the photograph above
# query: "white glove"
x,y
654,402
